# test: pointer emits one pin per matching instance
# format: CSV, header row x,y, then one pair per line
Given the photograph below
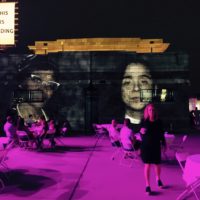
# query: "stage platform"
x,y
81,168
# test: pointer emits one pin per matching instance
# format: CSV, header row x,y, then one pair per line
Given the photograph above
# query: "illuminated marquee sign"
x,y
7,23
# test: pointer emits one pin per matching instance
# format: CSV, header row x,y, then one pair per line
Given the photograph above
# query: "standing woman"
x,y
152,139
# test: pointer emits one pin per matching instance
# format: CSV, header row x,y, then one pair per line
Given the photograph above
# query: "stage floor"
x,y
82,169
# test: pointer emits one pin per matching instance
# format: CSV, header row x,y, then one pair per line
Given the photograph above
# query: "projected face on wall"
x,y
136,78
40,86
42,80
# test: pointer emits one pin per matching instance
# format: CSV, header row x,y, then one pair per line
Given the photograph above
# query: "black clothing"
x,y
151,141
116,144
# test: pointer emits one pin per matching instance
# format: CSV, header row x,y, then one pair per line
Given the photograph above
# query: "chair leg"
x,y
101,136
60,141
116,152
182,195
193,187
30,144
4,165
165,155
129,157
195,194
125,158
2,185
190,189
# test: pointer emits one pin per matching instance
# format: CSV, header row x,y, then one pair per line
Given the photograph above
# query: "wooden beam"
x,y
101,44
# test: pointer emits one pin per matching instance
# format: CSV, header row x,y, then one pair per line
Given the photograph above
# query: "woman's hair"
x,y
146,113
136,59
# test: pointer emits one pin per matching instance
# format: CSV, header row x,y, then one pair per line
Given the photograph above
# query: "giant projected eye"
x,y
35,78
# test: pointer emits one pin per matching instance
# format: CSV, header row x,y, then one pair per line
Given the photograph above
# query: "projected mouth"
x,y
135,99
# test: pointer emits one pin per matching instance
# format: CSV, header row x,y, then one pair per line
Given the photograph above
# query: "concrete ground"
x,y
81,168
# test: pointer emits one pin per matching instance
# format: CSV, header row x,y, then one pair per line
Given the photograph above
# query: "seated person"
x,y
113,132
64,130
10,131
41,128
21,127
51,132
22,130
127,137
30,120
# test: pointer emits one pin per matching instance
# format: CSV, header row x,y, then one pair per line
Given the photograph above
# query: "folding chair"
x,y
191,188
3,158
117,151
58,140
181,158
128,158
174,147
49,135
2,185
100,132
178,146
25,141
169,138
22,138
63,131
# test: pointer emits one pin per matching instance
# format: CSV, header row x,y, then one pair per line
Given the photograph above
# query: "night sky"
x,y
177,22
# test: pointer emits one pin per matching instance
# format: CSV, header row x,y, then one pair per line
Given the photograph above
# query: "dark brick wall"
x,y
91,81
